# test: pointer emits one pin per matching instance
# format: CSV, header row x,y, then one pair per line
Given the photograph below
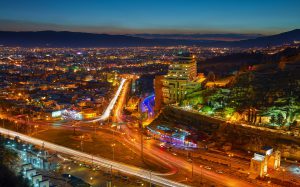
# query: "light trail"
x,y
111,105
147,103
81,156
119,106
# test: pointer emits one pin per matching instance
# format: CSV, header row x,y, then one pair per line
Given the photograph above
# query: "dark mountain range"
x,y
77,39
68,39
273,40
216,37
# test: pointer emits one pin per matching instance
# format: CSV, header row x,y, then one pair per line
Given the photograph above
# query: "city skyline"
x,y
161,93
123,17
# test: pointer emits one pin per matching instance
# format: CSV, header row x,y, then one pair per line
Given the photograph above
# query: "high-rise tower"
x,y
181,77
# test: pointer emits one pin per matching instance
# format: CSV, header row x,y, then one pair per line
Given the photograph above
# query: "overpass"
x,y
147,175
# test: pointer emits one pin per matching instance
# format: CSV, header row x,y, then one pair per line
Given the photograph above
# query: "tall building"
x,y
158,85
181,77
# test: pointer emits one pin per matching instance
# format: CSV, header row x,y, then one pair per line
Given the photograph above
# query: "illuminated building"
x,y
264,160
89,78
112,77
88,113
172,135
158,85
71,115
181,77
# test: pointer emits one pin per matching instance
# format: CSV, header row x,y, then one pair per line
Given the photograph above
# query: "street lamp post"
x,y
192,168
201,173
92,161
81,143
113,150
111,171
283,174
230,157
95,129
142,143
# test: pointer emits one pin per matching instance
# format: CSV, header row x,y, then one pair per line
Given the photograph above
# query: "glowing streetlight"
x,y
201,172
113,150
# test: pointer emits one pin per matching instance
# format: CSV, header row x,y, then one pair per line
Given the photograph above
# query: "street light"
x,y
192,168
201,172
113,150
81,143
230,156
283,174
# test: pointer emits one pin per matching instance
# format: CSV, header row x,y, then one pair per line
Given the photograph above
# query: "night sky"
x,y
151,16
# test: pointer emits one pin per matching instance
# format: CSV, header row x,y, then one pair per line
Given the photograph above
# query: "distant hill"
x,y
212,37
278,39
68,39
77,39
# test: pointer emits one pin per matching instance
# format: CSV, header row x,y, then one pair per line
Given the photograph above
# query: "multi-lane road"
x,y
81,156
179,163
163,157
111,105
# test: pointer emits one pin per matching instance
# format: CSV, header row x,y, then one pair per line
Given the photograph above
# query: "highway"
x,y
152,151
118,108
111,105
175,163
81,156
181,163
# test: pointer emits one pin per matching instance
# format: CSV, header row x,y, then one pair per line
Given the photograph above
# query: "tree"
x,y
273,119
7,159
207,109
228,111
280,119
7,156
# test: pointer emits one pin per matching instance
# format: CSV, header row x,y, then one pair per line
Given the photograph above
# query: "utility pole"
x,y
192,169
201,173
81,143
142,139
111,171
113,150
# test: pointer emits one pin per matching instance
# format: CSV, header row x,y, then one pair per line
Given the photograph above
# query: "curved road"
x,y
111,105
145,174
